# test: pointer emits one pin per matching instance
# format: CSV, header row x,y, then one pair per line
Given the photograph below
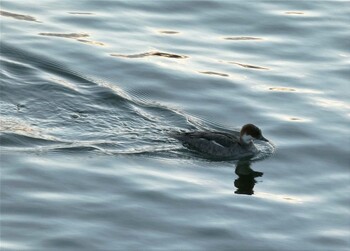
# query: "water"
x,y
90,91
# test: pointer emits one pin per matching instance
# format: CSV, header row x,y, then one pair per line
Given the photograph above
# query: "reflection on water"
x,y
168,32
65,35
150,54
79,13
76,36
255,67
215,73
246,177
242,38
294,13
18,16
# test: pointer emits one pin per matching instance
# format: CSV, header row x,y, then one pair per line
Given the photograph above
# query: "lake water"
x,y
91,89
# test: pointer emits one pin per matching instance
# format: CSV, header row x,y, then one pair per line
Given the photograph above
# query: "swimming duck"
x,y
222,144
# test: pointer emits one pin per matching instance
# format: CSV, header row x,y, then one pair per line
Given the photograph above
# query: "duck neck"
x,y
245,139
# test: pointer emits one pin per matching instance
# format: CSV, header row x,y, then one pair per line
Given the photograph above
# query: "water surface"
x,y
90,91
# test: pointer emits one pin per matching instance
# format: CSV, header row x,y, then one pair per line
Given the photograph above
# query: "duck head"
x,y
250,132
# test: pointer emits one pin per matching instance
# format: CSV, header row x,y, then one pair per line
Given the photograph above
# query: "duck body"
x,y
222,144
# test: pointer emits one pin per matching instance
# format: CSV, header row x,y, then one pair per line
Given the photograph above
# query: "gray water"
x,y
91,89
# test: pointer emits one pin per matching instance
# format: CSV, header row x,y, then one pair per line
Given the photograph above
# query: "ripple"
x,y
255,67
91,42
14,125
281,198
19,140
282,89
331,103
80,13
168,32
64,83
242,38
294,13
76,36
215,73
284,117
7,245
150,54
18,16
18,133
114,166
55,196
65,35
289,89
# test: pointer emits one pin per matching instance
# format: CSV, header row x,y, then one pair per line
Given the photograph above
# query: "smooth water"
x,y
90,91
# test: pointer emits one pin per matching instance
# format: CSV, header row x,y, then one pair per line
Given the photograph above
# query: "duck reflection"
x,y
246,177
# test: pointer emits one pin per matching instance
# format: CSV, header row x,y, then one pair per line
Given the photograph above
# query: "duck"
x,y
216,144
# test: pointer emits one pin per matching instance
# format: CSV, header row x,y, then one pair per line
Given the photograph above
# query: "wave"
x,y
70,111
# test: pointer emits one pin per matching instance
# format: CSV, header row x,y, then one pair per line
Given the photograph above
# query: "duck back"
x,y
215,144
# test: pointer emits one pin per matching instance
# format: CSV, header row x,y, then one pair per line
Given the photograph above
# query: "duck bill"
x,y
264,139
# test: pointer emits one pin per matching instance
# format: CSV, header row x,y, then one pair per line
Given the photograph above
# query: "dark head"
x,y
250,132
